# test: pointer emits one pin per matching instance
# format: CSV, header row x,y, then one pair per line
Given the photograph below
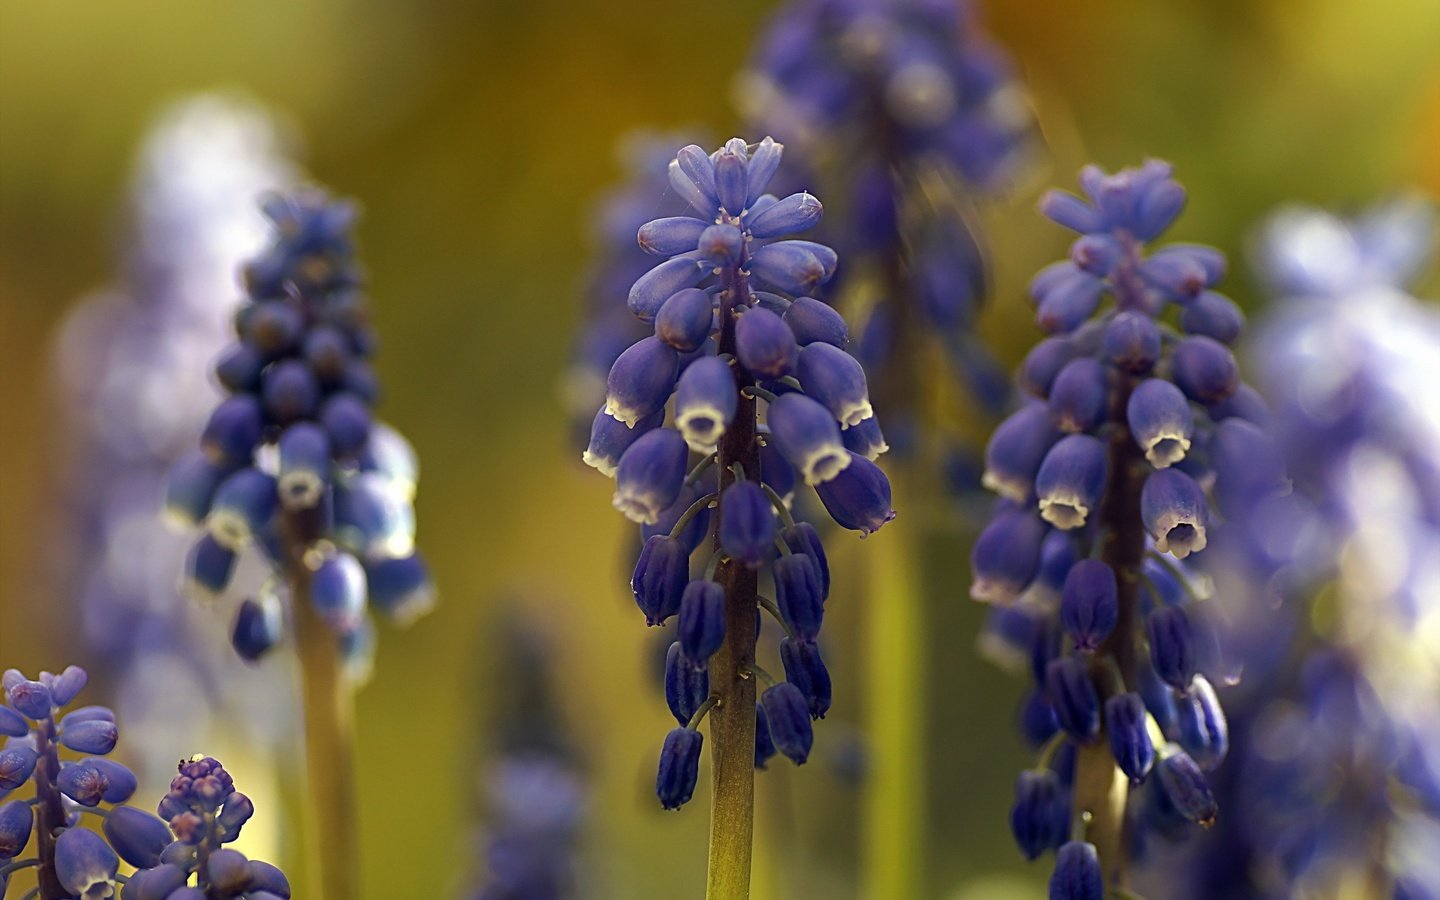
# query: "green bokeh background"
x,y
476,135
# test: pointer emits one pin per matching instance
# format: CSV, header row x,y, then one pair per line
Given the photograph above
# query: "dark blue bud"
x,y
400,587
776,471
697,166
721,245
1213,315
30,698
805,669
807,435
304,465
1078,395
1006,556
686,319
244,504
1160,420
610,438
747,523
794,267
1068,302
235,427
693,534
1016,449
137,836
1057,554
238,370
1044,362
66,685
1187,789
96,736
12,724
679,767
1089,603
764,746
656,286
650,475
1070,480
1132,342
803,538
1203,731
1037,718
208,568
289,391
158,883
641,379
1072,695
1246,403
798,594
660,576
1159,700
238,810
866,439
789,716
1040,817
16,821
670,236
858,497
16,763
1175,512
361,381
1069,211
190,487
85,864
257,629
266,879
686,687
228,872
120,781
1205,370
346,420
1125,724
84,784
836,380
702,620
1077,873
795,213
1172,646
271,327
1097,254
328,352
1176,272
732,182
813,321
338,591
705,403
764,343
764,161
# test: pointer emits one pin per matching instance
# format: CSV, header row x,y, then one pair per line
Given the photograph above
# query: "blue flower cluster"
x,y
292,460
71,861
1337,760
1103,475
734,326
905,107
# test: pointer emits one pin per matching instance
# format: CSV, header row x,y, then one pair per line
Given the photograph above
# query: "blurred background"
x,y
477,138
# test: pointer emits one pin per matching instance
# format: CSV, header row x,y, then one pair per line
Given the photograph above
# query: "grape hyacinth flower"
x,y
1335,778
1106,473
293,463
732,248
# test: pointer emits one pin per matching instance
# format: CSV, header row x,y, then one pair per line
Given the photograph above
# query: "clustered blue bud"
x,y
292,461
1104,473
733,275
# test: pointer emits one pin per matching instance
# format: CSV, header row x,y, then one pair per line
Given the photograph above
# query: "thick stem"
x,y
328,709
1100,788
49,811
732,721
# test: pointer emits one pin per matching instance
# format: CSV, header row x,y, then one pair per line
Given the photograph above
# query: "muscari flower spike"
x,y
763,393
1105,473
292,462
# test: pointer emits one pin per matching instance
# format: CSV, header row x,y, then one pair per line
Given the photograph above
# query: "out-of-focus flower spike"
x,y
304,465
257,629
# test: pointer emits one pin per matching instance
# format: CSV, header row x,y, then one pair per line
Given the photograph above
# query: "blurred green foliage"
x,y
476,136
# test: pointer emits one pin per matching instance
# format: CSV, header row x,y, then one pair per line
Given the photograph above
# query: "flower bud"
x,y
794,267
1063,305
16,763
1185,786
795,213
699,169
1125,725
1044,362
731,179
1132,342
346,419
66,685
837,380
190,487
244,504
1069,211
85,864
137,836
1015,451
1204,733
702,620
1040,816
764,746
83,783
805,433
1160,421
266,878
400,588
289,391
1089,603
16,821
12,724
814,321
1072,695
338,591
96,736
803,538
805,669
1205,370
32,698
789,716
650,475
686,686
661,573
671,235
1175,512
764,344
798,594
705,403
238,370
776,471
652,289
764,161
1070,480
858,497
686,319
1078,395
1172,646
1077,873
304,465
208,568
610,438
229,872
679,767
235,427
721,245
747,523
640,380
1006,556
1213,315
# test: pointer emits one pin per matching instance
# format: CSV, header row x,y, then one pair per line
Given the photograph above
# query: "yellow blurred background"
x,y
476,135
